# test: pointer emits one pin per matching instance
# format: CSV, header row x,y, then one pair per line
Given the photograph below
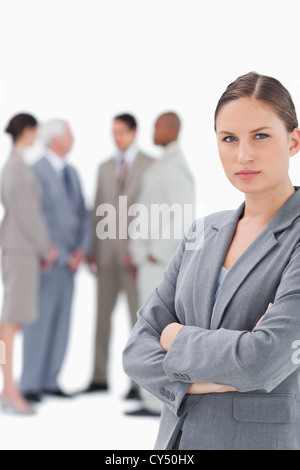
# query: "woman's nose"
x,y
245,154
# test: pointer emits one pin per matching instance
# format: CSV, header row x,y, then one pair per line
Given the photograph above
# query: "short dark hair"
x,y
18,123
266,89
128,119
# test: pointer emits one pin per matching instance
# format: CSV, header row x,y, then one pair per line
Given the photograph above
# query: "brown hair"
x,y
266,89
18,123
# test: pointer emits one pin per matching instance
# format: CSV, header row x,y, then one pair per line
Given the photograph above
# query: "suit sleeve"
x,y
248,361
29,212
143,357
94,221
85,233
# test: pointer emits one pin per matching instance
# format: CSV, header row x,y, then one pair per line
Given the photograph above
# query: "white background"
x,y
87,61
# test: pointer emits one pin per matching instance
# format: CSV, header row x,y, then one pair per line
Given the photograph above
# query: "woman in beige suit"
x,y
25,249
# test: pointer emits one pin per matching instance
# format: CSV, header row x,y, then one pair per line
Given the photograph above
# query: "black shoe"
x,y
95,387
33,397
142,412
133,394
57,393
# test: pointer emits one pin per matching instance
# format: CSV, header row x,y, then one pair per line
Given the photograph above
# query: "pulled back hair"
x,y
266,89
18,123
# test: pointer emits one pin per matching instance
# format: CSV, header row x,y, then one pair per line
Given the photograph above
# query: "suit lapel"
x,y
212,255
56,182
254,254
51,174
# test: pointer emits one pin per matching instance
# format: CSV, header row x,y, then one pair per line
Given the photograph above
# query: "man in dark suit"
x,y
118,177
70,229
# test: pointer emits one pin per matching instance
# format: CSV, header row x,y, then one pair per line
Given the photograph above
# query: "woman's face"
x,y
254,145
30,135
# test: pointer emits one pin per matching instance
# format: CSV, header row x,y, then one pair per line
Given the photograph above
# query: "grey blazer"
x,y
23,228
69,222
227,348
109,252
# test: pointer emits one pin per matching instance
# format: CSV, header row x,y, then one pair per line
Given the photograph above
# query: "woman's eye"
x,y
260,136
229,139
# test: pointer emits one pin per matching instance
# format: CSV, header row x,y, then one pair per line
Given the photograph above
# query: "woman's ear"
x,y
294,141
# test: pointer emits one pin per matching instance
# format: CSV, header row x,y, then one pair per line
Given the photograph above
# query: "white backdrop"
x,y
89,60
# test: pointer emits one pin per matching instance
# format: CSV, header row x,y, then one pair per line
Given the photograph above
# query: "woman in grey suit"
x,y
25,245
218,341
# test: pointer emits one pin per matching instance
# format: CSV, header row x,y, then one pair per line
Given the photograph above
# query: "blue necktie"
x,y
67,181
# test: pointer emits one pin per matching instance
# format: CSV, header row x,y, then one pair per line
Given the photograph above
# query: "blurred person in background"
x,y
121,175
25,245
169,182
69,226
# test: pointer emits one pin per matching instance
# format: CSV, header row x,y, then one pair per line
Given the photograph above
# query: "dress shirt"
x,y
57,163
128,156
222,276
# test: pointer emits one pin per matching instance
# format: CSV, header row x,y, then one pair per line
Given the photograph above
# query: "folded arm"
x,y
256,360
143,357
166,340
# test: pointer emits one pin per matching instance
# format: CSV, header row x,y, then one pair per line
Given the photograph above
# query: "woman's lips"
x,y
247,174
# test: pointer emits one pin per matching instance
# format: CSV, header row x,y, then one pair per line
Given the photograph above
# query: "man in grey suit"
x,y
119,179
168,184
69,225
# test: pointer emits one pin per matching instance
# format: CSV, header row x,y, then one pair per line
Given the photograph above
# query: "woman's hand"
x,y
46,263
208,387
269,306
169,334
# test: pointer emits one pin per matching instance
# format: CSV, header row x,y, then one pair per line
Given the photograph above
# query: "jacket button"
x,y
172,397
162,390
186,377
176,376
